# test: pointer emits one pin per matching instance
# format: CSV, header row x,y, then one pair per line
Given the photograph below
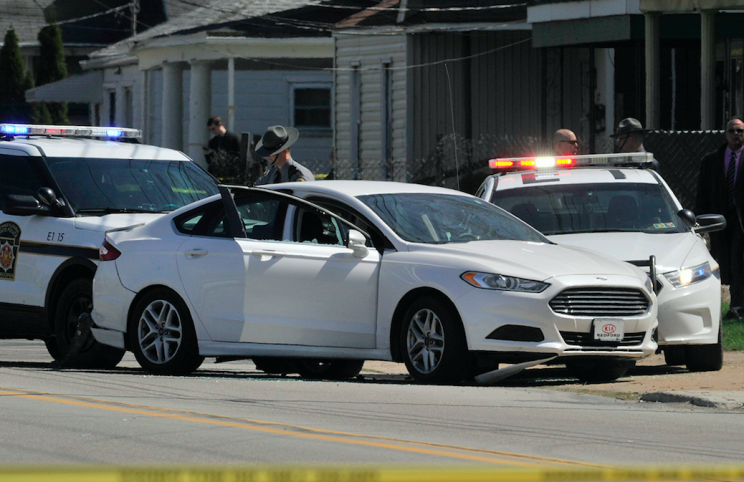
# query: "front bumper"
x,y
690,315
484,311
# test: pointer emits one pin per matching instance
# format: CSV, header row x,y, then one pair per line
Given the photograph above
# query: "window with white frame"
x,y
311,106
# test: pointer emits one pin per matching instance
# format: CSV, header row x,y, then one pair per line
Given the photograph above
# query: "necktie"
x,y
731,179
278,177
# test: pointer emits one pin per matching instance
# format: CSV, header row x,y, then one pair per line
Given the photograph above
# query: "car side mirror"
x,y
48,196
357,243
688,217
709,223
24,205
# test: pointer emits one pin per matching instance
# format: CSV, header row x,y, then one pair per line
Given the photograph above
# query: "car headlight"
x,y
491,281
689,276
649,285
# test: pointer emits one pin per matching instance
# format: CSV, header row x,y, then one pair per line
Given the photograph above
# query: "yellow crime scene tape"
x,y
363,474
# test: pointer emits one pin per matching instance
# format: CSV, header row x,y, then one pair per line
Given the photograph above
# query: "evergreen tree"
x,y
52,66
13,106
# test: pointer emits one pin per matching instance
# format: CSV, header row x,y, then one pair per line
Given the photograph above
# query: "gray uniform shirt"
x,y
291,171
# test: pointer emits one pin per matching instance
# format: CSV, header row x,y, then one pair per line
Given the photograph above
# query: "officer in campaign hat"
x,y
274,147
629,138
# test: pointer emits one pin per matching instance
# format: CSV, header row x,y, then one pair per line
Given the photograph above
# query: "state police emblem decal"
x,y
10,240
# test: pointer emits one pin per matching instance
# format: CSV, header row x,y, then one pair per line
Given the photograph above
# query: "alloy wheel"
x,y
160,331
425,341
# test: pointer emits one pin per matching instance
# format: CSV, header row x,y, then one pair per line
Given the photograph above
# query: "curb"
x,y
721,400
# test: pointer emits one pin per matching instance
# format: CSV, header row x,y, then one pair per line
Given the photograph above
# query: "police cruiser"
x,y
61,189
614,204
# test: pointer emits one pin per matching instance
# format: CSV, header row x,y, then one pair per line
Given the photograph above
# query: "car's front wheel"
x,y
76,299
329,369
674,355
705,358
434,344
599,370
162,335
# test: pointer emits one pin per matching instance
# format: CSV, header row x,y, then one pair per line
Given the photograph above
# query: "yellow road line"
x,y
441,450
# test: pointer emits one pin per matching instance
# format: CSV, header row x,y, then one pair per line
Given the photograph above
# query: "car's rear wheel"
x,y
329,369
162,335
76,299
434,344
705,358
599,370
674,355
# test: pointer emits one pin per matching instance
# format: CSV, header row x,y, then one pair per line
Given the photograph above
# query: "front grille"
x,y
587,339
600,302
517,333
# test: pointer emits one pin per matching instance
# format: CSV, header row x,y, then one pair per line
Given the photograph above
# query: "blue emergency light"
x,y
69,131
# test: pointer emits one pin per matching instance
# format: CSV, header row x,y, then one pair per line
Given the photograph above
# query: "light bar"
x,y
69,131
593,160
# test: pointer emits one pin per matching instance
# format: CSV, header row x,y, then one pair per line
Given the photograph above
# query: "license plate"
x,y
609,330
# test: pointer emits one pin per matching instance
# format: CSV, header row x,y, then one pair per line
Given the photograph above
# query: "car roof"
x,y
90,148
593,175
360,188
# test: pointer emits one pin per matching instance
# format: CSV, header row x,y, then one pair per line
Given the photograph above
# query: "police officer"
x,y
629,138
274,147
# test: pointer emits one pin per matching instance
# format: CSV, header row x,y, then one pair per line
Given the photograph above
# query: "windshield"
x,y
442,218
130,185
581,208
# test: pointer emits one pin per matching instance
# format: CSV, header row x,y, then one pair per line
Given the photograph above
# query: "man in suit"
x,y
720,191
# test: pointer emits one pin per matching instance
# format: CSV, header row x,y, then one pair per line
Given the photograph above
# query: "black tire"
x,y
442,358
674,355
275,365
162,335
599,370
76,299
705,358
329,369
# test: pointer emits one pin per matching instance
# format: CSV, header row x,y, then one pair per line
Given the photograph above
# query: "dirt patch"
x,y
650,375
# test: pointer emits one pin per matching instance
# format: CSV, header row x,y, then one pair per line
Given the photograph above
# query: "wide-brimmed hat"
x,y
275,140
627,126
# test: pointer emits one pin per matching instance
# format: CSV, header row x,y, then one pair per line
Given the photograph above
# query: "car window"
x,y
207,220
377,240
577,208
130,184
18,177
315,227
444,218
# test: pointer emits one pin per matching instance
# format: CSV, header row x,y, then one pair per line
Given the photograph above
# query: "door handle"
x,y
196,253
273,254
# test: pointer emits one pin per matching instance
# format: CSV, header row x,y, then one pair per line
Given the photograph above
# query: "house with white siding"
x,y
427,93
252,63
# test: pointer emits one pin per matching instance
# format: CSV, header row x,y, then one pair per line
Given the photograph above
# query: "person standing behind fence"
x,y
720,192
274,147
565,143
224,147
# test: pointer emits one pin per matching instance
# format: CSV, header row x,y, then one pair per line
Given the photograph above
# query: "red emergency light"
x,y
528,163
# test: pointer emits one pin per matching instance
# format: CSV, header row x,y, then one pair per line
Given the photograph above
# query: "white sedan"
x,y
339,272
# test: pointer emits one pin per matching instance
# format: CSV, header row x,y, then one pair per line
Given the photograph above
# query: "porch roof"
x,y
84,88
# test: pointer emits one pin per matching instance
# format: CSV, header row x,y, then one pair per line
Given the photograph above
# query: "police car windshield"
x,y
583,208
442,218
96,186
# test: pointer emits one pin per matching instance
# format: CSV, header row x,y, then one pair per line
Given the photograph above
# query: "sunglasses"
x,y
570,142
738,131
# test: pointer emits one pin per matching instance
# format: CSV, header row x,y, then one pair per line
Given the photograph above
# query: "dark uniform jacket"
x,y
712,198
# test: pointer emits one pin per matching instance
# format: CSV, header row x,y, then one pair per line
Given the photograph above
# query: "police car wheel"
x,y
705,358
599,370
75,300
433,343
162,335
674,355
329,369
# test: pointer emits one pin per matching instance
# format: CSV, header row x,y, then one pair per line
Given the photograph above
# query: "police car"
x,y
614,204
61,189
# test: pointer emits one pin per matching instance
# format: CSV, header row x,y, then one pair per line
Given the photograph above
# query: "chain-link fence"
x,y
462,164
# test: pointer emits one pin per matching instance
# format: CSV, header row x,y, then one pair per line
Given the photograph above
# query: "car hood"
x,y
670,249
113,221
537,261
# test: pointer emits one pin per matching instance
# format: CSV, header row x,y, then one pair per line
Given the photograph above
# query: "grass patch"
x,y
733,331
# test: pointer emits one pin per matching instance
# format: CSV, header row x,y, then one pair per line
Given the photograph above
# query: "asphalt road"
x,y
230,413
